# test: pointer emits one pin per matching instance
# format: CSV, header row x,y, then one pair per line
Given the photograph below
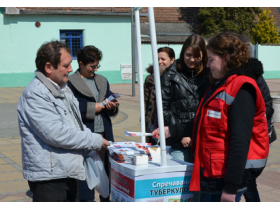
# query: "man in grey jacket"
x,y
54,139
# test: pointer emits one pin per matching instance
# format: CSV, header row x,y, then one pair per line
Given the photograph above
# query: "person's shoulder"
x,y
74,76
149,81
173,66
100,77
169,72
165,74
149,78
35,87
261,82
71,77
205,73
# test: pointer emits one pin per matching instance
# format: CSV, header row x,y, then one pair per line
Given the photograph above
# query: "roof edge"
x,y
170,34
78,13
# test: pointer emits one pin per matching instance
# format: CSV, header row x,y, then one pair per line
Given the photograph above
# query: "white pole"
x,y
132,53
140,73
157,85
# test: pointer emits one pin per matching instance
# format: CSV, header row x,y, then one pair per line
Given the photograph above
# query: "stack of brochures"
x,y
134,153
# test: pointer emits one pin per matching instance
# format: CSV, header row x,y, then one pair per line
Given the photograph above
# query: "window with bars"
x,y
74,39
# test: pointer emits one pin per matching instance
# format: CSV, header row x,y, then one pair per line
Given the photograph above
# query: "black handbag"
x,y
271,132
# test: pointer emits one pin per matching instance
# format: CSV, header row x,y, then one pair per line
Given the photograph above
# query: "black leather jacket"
x,y
181,94
266,96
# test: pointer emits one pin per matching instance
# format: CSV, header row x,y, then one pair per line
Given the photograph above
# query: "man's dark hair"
x,y
50,52
89,54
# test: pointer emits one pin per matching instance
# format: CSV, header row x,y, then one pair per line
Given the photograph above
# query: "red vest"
x,y
213,137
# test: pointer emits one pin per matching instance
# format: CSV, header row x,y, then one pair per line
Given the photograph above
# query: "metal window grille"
x,y
74,39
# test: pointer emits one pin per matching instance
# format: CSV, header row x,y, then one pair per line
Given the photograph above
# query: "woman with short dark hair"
x,y
91,89
166,57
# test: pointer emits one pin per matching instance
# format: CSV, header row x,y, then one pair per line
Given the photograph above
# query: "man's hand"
x,y
111,105
98,107
227,197
186,142
166,132
105,144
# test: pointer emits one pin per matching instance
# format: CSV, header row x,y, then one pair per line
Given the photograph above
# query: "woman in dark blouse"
x,y
90,89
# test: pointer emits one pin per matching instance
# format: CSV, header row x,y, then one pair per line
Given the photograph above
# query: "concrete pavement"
x,y
13,187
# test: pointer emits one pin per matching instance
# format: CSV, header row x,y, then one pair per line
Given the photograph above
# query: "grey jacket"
x,y
52,146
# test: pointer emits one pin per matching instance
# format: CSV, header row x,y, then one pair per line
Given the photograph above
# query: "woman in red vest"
x,y
230,135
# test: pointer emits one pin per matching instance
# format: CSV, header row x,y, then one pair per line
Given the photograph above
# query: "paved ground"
x,y
13,187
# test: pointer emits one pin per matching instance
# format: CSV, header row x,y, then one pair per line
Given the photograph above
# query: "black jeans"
x,y
252,194
55,190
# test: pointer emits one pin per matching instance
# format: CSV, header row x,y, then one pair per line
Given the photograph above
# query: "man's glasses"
x,y
95,66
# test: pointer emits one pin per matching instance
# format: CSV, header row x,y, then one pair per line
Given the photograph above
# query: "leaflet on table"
x,y
140,160
127,144
125,152
154,150
122,155
120,158
132,133
110,98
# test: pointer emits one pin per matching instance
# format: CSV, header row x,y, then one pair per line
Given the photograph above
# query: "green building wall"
x,y
269,56
20,40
